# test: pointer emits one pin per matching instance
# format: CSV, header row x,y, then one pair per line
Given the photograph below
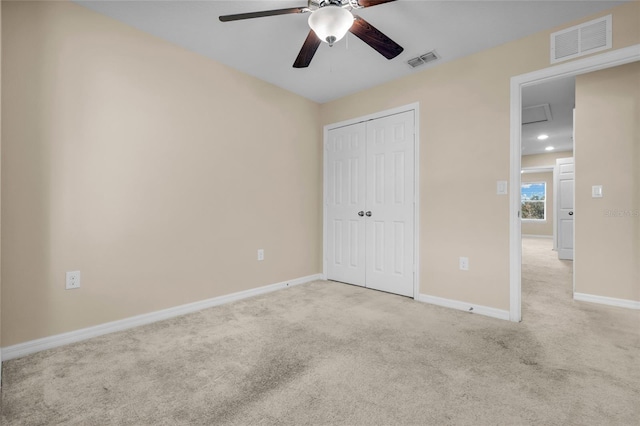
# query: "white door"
x,y
345,198
564,207
370,204
390,202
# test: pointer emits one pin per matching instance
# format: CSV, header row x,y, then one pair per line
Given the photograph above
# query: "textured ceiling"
x,y
266,47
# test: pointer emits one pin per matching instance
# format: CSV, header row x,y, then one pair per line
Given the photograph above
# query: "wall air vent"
x,y
536,114
423,59
583,39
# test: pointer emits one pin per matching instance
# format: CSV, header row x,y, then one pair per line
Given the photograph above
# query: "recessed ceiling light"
x,y
543,137
549,148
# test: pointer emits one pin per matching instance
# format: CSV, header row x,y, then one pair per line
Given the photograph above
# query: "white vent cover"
x,y
423,59
583,39
536,114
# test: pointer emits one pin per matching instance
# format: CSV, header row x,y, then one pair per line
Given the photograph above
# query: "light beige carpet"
x,y
329,353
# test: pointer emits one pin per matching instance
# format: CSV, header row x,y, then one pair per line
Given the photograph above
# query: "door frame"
x,y
581,66
415,108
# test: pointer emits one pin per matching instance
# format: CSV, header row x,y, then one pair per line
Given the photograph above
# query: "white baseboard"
x,y
463,306
546,237
604,300
26,348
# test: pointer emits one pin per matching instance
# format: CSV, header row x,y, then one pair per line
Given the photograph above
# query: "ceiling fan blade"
x,y
369,3
250,15
374,38
308,50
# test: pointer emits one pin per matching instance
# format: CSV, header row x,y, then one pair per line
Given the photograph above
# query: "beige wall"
x,y
607,153
540,228
158,173
155,171
464,150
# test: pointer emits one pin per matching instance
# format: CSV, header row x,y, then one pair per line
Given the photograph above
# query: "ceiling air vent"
x,y
583,39
423,59
536,114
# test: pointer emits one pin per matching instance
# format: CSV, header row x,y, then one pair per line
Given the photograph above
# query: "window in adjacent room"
x,y
533,197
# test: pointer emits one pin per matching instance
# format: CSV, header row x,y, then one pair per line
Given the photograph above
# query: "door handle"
x,y
368,214
570,213
360,213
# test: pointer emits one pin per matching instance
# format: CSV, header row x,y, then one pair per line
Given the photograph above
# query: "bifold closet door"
x,y
370,204
345,198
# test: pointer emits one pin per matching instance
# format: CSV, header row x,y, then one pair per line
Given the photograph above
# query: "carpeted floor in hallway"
x,y
328,353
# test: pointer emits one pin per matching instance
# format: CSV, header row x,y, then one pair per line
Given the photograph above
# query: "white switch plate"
x,y
502,188
596,191
260,254
73,280
464,263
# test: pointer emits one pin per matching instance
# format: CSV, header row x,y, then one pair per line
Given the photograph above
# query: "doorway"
x,y
370,201
547,193
518,83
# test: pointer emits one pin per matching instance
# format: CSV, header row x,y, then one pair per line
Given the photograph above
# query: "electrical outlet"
x,y
260,254
73,280
464,263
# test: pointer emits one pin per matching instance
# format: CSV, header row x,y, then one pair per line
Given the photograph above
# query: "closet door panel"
x,y
390,203
345,197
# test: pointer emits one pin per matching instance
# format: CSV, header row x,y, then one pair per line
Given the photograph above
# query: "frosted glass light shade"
x,y
330,23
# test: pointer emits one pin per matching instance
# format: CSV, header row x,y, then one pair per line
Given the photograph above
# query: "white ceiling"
x,y
266,47
560,95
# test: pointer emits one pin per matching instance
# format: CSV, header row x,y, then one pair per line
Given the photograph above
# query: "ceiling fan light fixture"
x,y
330,23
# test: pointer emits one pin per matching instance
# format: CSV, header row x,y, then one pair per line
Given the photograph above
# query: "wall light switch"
x,y
596,191
502,188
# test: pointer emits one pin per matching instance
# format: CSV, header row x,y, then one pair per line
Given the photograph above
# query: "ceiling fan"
x,y
329,21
